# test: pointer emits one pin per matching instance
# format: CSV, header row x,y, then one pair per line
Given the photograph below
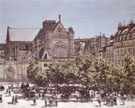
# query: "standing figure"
x,y
99,101
13,100
12,86
43,95
39,95
45,103
16,99
9,93
1,98
115,100
56,102
27,85
123,99
34,101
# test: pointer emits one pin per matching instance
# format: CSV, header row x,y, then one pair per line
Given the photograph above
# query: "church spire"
x,y
59,18
8,38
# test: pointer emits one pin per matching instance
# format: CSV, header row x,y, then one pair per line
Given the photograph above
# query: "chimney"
x,y
100,34
119,24
124,23
121,27
131,24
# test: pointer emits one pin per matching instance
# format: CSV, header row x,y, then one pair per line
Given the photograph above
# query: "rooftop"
x,y
22,34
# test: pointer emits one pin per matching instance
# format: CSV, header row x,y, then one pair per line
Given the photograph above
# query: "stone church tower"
x,y
54,42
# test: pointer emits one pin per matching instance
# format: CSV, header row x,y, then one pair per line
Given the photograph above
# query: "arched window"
x,y
10,72
60,49
43,54
45,57
121,52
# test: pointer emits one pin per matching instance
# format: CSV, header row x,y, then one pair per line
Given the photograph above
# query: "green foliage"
x,y
86,71
31,70
128,75
36,74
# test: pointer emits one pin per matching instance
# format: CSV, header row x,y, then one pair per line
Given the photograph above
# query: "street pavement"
x,y
25,103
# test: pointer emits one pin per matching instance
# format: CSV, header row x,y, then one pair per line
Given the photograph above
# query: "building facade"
x,y
54,42
124,42
93,46
2,56
109,53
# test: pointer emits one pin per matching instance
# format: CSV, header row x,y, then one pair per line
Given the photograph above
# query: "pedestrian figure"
x,y
1,98
34,101
16,99
12,86
6,91
45,103
123,100
56,103
107,101
22,86
115,100
9,87
43,95
50,102
9,92
13,99
27,85
99,101
39,95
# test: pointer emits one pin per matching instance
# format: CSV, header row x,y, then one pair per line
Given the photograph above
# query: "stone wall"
x,y
13,71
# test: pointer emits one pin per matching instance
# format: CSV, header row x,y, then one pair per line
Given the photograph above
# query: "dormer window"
x,y
120,38
125,37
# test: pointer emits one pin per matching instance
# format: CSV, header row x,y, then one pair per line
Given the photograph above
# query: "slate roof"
x,y
22,34
126,30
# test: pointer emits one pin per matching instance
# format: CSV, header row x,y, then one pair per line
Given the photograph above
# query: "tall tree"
x,y
128,75
85,65
36,74
31,71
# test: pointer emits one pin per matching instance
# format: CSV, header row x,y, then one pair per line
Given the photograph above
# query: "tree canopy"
x,y
86,71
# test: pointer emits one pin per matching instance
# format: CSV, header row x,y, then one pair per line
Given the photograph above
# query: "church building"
x,y
51,42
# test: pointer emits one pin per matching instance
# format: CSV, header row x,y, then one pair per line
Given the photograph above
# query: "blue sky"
x,y
87,17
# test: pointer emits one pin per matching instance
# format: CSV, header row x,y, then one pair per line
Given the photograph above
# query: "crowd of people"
x,y
30,94
35,94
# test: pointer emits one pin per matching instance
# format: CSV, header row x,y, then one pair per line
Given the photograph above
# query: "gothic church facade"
x,y
51,42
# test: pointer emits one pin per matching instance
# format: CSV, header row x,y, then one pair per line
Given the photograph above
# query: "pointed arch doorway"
x,y
10,73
